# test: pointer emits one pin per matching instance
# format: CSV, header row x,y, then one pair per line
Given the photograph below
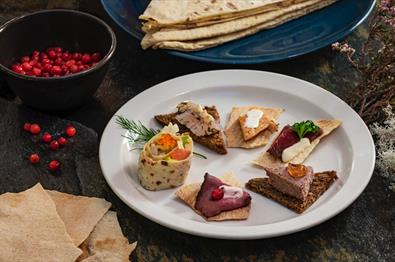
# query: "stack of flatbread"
x,y
40,225
191,25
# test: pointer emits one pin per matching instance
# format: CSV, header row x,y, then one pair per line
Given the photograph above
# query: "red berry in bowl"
x,y
86,59
66,56
56,70
96,57
36,71
35,129
58,49
17,69
52,54
54,165
25,59
47,68
58,61
46,137
70,62
217,194
26,127
71,131
54,145
34,158
26,66
74,69
36,53
62,141
43,56
77,56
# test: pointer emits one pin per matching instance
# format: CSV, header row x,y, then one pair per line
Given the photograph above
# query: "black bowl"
x,y
72,30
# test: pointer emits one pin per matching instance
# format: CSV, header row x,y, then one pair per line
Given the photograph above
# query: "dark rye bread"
x,y
214,142
321,182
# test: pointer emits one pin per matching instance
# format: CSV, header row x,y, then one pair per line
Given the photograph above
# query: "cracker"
x,y
80,214
250,132
266,160
233,132
321,182
31,229
107,243
189,192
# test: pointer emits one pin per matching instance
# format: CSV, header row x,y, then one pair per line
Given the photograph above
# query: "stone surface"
x,y
363,232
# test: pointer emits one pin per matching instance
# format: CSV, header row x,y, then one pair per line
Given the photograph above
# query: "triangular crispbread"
x,y
80,214
233,131
188,194
214,142
266,160
321,182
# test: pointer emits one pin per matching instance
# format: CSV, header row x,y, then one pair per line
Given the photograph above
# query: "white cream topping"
x,y
292,151
231,191
253,118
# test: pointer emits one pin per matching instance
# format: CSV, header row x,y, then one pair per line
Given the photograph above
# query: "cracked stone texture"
x,y
363,232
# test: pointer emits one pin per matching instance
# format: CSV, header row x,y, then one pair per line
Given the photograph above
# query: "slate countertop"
x,y
363,232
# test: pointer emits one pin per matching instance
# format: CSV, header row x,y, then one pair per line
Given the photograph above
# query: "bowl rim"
x,y
100,64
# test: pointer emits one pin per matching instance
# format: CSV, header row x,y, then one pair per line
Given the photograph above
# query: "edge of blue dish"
x,y
257,60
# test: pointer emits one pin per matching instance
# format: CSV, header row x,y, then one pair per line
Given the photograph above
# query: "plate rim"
x,y
256,60
252,230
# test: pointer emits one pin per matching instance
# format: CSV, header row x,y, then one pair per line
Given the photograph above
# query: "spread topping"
x,y
297,170
291,135
231,191
253,118
291,152
196,119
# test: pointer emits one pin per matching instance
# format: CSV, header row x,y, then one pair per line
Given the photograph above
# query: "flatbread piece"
x,y
204,43
321,182
31,229
106,243
80,214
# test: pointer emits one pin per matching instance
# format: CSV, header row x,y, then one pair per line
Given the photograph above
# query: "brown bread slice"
x,y
215,141
321,182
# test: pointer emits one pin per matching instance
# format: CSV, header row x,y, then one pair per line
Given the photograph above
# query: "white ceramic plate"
x,y
349,150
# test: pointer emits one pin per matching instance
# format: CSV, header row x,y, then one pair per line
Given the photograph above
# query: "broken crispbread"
x,y
188,194
234,133
214,141
250,132
266,160
321,182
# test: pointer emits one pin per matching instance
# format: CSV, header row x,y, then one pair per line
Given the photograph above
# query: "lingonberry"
x,y
62,141
46,137
26,127
71,131
54,145
217,194
35,129
54,165
34,158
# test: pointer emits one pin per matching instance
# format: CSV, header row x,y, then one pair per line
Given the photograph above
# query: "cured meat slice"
x,y
209,207
285,139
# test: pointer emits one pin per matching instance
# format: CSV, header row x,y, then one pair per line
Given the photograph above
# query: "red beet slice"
x,y
209,207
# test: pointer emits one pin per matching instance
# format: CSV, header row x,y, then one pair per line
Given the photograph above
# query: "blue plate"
x,y
292,39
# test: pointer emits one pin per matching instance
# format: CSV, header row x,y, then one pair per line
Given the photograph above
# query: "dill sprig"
x,y
138,133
